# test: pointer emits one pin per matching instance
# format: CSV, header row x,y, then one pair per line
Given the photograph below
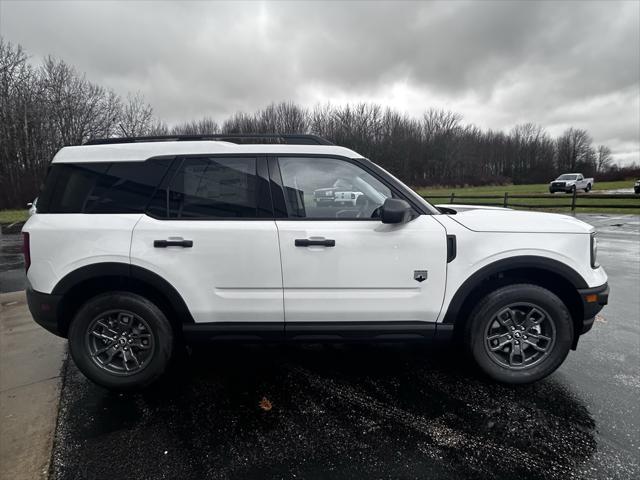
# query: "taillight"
x,y
26,250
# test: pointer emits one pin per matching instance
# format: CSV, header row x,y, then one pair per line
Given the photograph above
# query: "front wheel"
x,y
121,341
519,333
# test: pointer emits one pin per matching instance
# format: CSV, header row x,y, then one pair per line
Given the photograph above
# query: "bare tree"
x,y
604,158
205,126
573,149
136,118
80,110
439,122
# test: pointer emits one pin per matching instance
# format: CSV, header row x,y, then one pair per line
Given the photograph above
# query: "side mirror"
x,y
395,210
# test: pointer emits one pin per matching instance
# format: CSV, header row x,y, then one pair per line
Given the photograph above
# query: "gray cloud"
x,y
497,63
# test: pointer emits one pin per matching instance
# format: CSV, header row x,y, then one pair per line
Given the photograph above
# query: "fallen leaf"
x,y
601,319
265,404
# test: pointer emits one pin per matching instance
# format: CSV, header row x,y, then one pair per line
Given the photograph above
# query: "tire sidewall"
x,y
493,302
158,324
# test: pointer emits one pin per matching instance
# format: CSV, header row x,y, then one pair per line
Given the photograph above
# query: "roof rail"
x,y
289,138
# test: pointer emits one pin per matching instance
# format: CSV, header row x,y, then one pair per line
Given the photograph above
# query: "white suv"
x,y
142,244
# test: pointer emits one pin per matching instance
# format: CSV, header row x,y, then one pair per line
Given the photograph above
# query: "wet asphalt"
x,y
373,411
12,277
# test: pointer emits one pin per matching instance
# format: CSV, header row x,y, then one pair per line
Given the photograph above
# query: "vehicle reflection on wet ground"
x,y
362,411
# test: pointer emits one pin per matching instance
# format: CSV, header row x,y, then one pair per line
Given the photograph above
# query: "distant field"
x,y
583,205
8,217
522,189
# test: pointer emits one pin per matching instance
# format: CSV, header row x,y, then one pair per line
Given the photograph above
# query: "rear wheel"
x,y
121,341
519,333
588,188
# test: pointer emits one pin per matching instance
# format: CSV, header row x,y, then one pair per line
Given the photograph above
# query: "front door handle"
x,y
310,242
173,243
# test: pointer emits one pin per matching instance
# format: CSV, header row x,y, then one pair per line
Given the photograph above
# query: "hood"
x,y
515,221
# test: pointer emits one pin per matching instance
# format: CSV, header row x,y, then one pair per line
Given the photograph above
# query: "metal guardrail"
x,y
572,201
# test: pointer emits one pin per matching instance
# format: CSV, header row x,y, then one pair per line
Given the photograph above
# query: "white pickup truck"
x,y
570,182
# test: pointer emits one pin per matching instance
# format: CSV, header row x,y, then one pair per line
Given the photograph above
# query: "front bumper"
x,y
593,300
44,310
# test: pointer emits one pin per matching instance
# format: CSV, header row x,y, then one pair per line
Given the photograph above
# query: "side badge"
x,y
420,275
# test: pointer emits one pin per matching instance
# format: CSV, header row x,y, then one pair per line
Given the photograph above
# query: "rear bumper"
x,y
44,310
593,300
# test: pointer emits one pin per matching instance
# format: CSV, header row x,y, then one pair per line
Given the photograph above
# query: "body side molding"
x,y
321,332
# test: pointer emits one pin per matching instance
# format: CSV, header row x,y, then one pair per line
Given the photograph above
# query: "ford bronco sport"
x,y
141,244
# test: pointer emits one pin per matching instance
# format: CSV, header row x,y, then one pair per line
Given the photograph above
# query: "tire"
x,y
588,189
141,332
483,325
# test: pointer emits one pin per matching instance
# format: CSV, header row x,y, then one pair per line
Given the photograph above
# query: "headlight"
x,y
594,250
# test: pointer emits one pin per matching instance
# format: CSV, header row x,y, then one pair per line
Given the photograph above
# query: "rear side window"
x,y
118,187
213,188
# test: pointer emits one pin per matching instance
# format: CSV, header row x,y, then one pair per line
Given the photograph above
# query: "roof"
x,y
131,152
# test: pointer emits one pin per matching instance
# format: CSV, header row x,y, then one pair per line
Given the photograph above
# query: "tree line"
x,y
47,106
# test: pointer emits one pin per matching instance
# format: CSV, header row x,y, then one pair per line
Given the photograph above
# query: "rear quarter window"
x,y
117,187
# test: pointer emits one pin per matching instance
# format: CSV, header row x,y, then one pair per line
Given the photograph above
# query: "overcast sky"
x,y
496,63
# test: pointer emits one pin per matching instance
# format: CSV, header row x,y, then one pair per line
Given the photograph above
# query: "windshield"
x,y
567,177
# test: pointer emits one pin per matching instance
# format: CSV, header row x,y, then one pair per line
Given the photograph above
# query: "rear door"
x,y
340,263
209,231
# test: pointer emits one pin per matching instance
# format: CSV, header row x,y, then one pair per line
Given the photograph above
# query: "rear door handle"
x,y
308,242
173,243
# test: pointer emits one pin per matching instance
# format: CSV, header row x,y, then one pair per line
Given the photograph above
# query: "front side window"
x,y
329,188
212,187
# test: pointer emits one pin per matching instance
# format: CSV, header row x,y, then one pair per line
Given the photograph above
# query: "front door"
x,y
210,233
340,263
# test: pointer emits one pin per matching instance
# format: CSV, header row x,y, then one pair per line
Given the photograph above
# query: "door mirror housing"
x,y
395,210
